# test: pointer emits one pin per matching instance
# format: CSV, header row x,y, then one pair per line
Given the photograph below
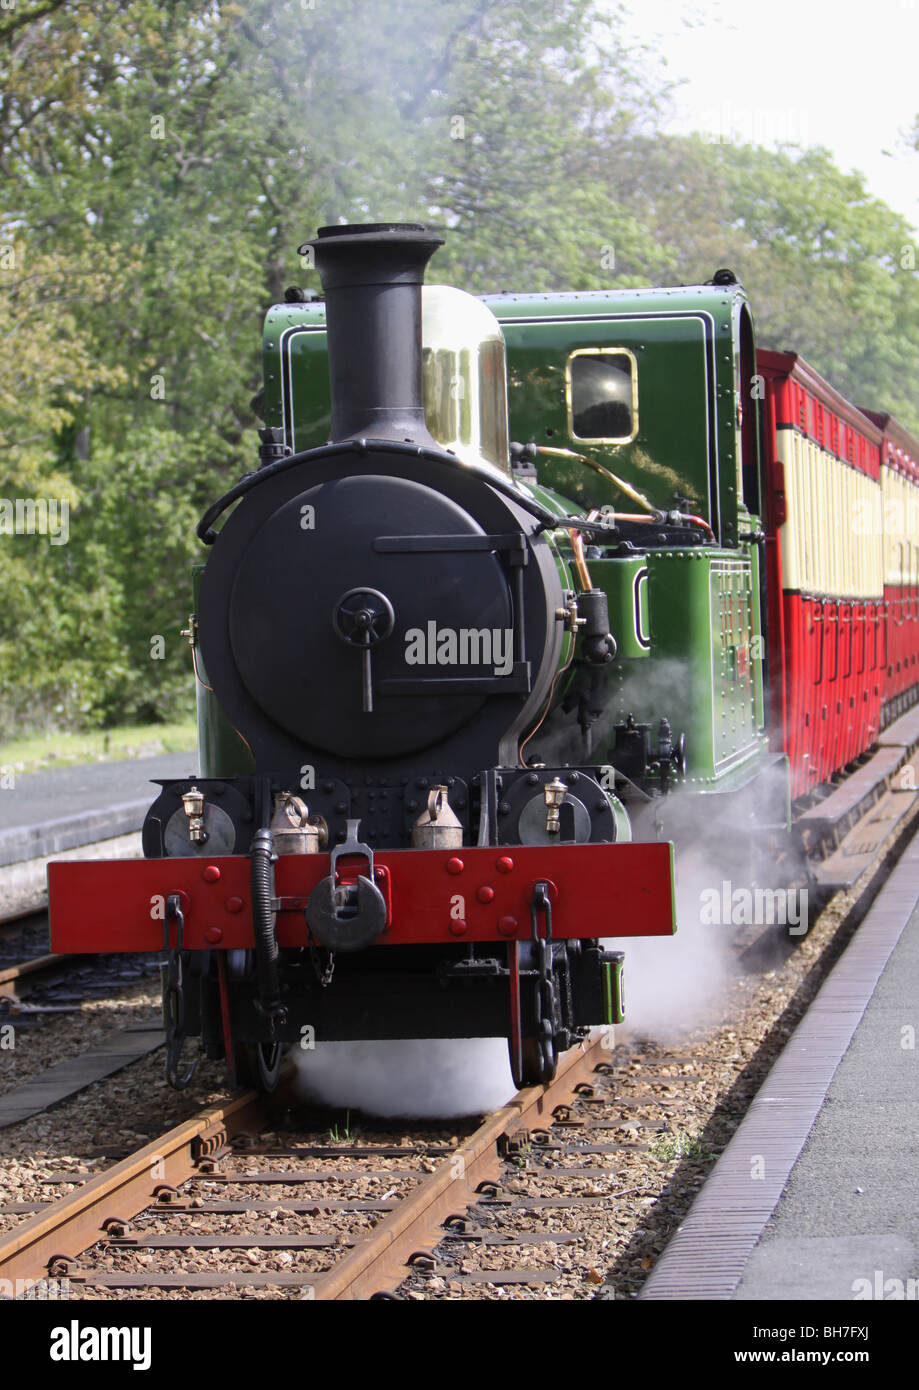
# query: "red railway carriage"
x,y
825,565
900,497
841,507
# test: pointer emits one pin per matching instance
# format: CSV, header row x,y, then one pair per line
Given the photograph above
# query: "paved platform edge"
x,y
29,842
707,1256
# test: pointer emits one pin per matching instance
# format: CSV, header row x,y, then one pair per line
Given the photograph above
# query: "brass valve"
x,y
569,616
554,793
193,802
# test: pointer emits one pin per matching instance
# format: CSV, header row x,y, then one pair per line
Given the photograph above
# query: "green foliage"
x,y
164,162
830,270
161,164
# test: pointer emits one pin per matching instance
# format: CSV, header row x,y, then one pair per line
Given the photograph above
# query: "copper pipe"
x,y
580,564
604,472
659,518
699,521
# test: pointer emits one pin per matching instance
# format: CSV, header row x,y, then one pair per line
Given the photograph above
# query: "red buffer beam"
x,y
432,896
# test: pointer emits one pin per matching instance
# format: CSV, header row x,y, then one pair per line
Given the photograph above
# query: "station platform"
x,y
48,812
816,1197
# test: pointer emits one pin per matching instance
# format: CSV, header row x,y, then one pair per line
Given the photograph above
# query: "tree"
x,y
162,163
829,268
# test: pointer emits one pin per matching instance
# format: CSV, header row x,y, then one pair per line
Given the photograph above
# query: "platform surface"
x,y
817,1194
47,812
848,1220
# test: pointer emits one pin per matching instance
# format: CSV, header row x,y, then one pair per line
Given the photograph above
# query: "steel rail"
x,y
38,965
378,1263
76,1222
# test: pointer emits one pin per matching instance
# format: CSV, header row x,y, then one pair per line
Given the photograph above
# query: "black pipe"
x,y
548,521
268,1001
372,277
597,644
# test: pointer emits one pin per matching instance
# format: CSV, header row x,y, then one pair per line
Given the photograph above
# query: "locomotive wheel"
x,y
530,1072
258,1065
540,1060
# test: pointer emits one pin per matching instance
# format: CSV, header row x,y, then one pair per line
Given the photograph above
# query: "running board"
x,y
851,843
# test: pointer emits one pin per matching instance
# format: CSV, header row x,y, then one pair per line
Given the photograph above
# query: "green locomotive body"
x,y
659,387
681,425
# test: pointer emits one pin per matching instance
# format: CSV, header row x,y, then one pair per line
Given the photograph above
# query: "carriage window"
x,y
602,386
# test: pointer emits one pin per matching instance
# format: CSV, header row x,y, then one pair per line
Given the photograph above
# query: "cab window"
x,y
602,389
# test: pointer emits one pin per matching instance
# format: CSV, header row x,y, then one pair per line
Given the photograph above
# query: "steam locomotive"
x,y
457,695
381,624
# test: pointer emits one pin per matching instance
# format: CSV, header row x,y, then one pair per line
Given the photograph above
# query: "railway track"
x,y
567,1192
311,1204
52,1010
37,985
27,965
528,1205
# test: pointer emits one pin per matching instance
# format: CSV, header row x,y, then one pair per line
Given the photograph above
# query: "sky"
x,y
844,75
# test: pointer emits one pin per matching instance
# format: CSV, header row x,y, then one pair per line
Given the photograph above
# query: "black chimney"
x,y
372,277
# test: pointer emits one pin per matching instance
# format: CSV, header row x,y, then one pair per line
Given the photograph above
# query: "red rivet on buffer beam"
x,y
213,935
507,926
505,865
234,904
454,866
485,894
458,927
211,873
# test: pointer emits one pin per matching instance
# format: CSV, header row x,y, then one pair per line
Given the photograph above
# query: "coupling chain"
x,y
174,996
545,1002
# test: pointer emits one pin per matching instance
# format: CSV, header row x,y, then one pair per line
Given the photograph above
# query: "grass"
x,y
346,1134
680,1145
36,751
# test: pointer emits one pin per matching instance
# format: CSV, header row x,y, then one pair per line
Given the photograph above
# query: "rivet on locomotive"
x,y
424,805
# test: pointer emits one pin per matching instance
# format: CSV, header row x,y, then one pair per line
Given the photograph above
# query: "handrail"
x,y
863,629
819,676
834,619
849,621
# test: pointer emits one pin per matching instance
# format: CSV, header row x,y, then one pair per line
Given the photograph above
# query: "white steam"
x,y
723,860
437,1078
672,982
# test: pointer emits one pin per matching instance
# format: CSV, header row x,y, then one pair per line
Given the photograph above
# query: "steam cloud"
x,y
674,983
430,1079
